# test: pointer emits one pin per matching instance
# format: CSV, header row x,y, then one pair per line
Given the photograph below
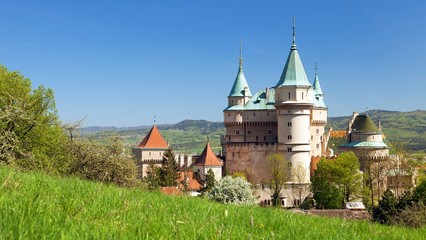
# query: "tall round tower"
x,y
293,104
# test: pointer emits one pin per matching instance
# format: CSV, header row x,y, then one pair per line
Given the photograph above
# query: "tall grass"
x,y
38,206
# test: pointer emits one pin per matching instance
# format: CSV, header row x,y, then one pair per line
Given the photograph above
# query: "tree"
x,y
209,182
169,171
30,132
152,177
231,190
340,174
419,194
326,193
386,208
106,163
278,175
300,188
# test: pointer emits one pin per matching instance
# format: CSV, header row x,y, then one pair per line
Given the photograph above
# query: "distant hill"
x,y
408,128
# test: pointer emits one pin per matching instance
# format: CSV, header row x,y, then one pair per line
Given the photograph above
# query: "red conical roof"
x,y
153,140
208,158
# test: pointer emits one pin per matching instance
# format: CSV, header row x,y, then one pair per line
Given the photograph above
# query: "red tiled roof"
x,y
193,183
153,140
208,158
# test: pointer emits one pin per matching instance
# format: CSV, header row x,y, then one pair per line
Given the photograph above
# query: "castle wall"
x,y
250,158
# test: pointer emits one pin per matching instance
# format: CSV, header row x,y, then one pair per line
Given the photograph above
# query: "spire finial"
x,y
316,67
241,54
155,121
208,139
366,110
293,46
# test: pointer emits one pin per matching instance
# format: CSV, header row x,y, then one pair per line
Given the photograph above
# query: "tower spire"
x,y
293,46
241,54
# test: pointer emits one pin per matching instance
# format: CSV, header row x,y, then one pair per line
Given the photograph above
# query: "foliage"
x,y
409,210
106,163
277,167
386,208
169,170
419,194
326,194
231,190
340,174
209,182
152,178
39,206
30,134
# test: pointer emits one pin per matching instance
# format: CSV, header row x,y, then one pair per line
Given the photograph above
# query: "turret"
x,y
240,93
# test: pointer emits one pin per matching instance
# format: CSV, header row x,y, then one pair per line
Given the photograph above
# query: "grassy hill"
x,y
38,206
191,135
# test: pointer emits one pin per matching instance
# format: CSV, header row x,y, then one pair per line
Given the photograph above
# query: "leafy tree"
x,y
386,208
231,190
278,175
106,163
152,178
340,174
30,133
326,193
169,171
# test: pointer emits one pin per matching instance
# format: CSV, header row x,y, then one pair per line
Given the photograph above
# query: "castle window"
x,y
248,132
288,149
289,111
289,124
269,131
257,138
264,138
289,137
312,137
302,95
267,114
317,146
150,154
317,131
254,114
237,132
229,114
288,95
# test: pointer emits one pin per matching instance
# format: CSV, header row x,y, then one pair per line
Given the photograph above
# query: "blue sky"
x,y
120,63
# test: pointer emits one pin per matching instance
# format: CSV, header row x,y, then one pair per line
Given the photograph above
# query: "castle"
x,y
288,118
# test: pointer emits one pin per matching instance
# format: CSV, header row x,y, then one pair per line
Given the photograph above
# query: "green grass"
x,y
38,206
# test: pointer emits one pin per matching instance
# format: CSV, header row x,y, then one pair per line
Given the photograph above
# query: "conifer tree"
x,y
209,182
169,171
386,209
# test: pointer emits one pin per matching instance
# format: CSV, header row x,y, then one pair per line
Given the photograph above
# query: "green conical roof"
x,y
364,124
239,84
293,73
240,81
317,86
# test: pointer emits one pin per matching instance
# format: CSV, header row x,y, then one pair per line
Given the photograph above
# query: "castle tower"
x,y
150,150
240,92
318,120
293,104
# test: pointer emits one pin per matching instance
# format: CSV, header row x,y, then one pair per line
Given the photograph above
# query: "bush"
x,y
109,164
231,190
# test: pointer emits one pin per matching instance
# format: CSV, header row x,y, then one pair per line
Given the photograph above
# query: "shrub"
x,y
98,162
231,190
